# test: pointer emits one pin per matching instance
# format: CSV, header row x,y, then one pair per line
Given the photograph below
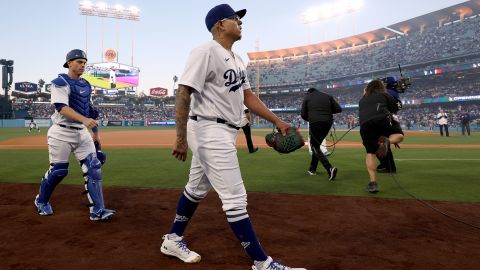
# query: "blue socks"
x,y
185,208
243,230
238,220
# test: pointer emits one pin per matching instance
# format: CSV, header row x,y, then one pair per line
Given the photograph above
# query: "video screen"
x,y
111,75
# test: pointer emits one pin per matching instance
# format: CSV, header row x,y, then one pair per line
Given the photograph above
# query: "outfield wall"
x,y
20,123
46,122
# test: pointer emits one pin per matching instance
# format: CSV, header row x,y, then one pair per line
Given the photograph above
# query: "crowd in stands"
x,y
410,118
434,43
422,117
133,112
288,105
445,85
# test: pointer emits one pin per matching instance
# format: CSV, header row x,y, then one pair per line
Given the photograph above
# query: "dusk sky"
x,y
38,34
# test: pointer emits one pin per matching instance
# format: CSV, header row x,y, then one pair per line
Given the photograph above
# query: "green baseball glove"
x,y
285,144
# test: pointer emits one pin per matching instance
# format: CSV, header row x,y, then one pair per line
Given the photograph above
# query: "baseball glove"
x,y
292,141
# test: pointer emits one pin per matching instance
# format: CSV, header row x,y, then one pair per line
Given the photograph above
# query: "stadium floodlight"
x,y
119,7
356,4
102,6
332,9
86,4
133,9
102,9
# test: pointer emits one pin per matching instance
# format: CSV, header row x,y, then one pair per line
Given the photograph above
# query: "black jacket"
x,y
465,118
319,107
376,106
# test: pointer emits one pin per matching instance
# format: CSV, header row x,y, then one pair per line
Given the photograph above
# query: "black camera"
x,y
399,85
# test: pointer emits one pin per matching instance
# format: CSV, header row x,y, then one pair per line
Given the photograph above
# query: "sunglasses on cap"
x,y
234,17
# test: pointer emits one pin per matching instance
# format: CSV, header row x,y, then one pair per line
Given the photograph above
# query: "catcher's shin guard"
x,y
92,174
52,178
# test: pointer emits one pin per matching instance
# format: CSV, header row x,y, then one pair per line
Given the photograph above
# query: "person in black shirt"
x,y
387,163
465,122
318,109
246,127
378,126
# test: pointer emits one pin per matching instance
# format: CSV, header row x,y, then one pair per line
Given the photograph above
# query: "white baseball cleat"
x,y
174,245
270,264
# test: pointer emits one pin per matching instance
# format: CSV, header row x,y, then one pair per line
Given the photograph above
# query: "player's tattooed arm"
x,y
254,104
182,107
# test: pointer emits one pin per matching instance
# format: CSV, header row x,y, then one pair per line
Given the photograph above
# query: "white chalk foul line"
x,y
437,159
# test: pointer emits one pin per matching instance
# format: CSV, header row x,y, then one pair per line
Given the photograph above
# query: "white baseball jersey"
x,y
442,118
113,76
219,78
60,94
245,120
63,141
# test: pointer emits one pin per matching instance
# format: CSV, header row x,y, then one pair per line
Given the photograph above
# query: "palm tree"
x,y
41,83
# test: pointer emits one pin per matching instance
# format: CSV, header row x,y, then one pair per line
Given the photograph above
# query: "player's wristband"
x,y
95,130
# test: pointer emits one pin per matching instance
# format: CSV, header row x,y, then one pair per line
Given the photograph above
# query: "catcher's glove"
x,y
292,141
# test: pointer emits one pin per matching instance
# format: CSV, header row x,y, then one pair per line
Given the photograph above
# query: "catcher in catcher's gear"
x,y
318,109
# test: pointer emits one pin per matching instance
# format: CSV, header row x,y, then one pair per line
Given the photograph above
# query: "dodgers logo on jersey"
x,y
233,78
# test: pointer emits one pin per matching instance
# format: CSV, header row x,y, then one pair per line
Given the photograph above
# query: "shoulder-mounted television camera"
x,y
397,85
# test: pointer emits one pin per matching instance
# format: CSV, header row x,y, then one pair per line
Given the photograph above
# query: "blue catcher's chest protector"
x,y
80,91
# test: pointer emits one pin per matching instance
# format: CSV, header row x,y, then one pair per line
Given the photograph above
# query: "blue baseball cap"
x,y
391,82
221,12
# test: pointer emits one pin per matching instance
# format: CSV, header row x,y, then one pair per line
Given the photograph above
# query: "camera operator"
x,y
387,163
318,109
378,126
442,119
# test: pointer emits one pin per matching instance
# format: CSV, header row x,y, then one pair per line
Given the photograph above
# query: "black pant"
x,y
441,130
466,126
248,136
387,162
318,132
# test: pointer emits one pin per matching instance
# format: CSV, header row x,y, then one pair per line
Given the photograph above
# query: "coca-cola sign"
x,y
158,92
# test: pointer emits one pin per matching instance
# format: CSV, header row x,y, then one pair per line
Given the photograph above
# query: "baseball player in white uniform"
x,y
442,119
73,115
215,84
323,147
113,78
33,125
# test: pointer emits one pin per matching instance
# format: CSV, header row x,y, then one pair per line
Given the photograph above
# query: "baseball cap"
x,y
221,12
74,54
389,82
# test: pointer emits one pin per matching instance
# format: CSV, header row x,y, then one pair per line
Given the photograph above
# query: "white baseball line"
x,y
437,159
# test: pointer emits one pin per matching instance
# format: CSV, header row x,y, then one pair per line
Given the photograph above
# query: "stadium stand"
x,y
440,51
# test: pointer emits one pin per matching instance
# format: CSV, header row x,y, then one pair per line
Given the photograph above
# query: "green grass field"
x,y
435,174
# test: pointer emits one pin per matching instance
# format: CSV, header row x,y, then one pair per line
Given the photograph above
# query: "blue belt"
x,y
218,120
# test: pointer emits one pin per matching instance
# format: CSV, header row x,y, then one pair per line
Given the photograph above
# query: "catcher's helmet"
x,y
74,54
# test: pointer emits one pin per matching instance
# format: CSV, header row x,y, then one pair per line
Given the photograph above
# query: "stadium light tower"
x,y
104,10
331,10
